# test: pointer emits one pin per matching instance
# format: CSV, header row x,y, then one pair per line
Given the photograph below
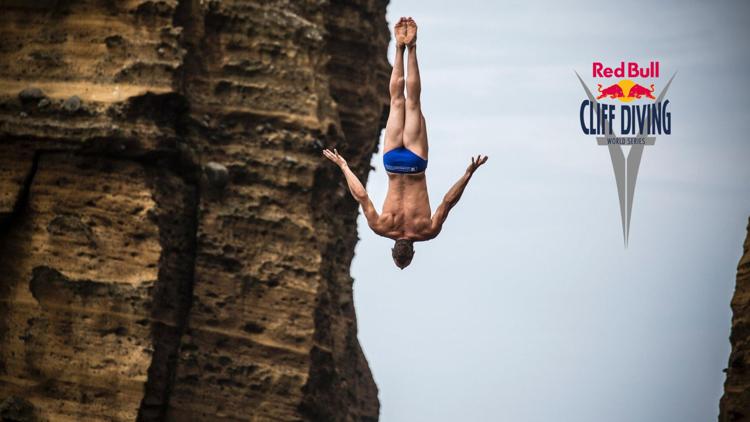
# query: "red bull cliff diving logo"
x,y
626,93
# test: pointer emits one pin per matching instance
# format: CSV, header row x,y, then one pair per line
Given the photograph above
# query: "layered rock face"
x,y
735,404
172,244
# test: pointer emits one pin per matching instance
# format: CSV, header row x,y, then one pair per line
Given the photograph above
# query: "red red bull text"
x,y
626,70
644,119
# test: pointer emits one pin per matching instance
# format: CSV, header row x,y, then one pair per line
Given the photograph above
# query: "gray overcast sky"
x,y
527,308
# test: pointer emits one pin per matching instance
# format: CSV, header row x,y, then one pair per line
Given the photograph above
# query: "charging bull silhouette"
x,y
638,91
613,91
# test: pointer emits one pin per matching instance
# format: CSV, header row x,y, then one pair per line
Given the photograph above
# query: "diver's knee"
x,y
397,101
397,86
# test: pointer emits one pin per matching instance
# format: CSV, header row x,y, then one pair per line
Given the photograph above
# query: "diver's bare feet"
x,y
411,32
399,31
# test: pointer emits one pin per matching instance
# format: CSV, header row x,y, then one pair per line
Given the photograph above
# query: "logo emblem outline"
x,y
625,169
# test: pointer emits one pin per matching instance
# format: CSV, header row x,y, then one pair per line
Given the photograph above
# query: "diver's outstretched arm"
x,y
454,195
355,187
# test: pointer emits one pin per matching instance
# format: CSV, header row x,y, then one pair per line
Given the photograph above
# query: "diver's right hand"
x,y
335,157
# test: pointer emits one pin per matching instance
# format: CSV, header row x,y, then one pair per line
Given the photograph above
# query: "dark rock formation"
x,y
172,245
17,409
735,404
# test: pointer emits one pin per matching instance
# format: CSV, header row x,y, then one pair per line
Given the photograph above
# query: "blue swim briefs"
x,y
401,160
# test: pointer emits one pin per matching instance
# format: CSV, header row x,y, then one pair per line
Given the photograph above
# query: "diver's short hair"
x,y
402,252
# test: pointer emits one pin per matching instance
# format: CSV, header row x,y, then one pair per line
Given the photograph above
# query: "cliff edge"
x,y
735,404
172,244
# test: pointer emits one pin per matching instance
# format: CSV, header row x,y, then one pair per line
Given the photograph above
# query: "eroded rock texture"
x,y
735,404
172,245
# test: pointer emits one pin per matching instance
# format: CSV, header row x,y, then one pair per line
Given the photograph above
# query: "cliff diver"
x,y
406,216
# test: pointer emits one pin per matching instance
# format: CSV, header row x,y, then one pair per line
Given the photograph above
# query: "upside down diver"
x,y
406,216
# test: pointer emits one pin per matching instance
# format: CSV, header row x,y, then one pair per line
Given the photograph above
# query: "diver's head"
x,y
402,251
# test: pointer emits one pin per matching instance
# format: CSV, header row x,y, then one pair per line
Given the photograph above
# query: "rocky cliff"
x,y
172,244
735,404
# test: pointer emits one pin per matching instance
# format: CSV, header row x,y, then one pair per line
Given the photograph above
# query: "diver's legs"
x,y
394,128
